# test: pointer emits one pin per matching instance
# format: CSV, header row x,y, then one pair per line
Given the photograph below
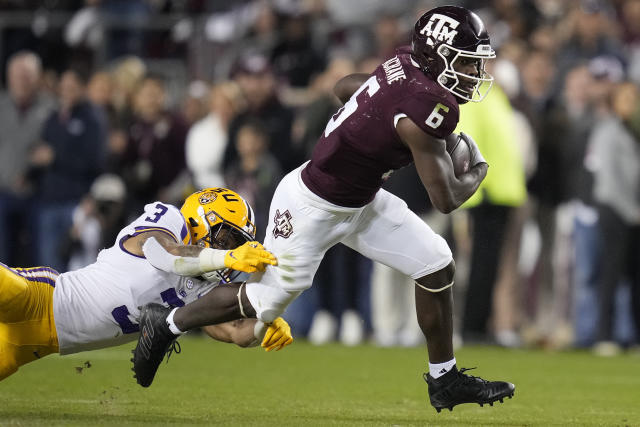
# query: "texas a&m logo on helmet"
x,y
440,28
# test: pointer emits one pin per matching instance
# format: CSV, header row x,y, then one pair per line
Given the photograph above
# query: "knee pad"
x,y
439,280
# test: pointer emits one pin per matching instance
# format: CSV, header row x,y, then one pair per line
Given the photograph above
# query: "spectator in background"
x,y
581,106
258,84
630,22
507,301
616,155
256,173
97,221
566,131
195,102
67,161
23,110
128,38
491,208
589,31
295,58
127,75
208,138
312,119
155,152
125,78
389,35
535,100
100,93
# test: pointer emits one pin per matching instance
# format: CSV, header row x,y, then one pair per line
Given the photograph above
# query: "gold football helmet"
x,y
219,218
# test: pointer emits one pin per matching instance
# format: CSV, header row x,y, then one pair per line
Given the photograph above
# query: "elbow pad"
x,y
157,255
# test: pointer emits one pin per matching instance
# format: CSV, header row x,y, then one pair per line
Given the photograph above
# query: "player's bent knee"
x,y
269,302
438,281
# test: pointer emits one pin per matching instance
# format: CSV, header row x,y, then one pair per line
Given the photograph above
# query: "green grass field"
x,y
219,384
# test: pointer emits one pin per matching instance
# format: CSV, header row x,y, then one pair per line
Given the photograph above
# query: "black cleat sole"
x,y
499,399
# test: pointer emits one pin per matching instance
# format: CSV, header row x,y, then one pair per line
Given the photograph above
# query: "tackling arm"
x,y
248,332
446,191
189,260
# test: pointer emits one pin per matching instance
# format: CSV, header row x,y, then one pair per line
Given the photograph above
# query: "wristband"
x,y
211,259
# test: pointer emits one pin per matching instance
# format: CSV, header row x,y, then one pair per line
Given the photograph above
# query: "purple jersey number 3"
x,y
161,210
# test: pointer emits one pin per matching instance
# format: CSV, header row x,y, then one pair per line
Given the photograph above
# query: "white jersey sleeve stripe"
x,y
142,229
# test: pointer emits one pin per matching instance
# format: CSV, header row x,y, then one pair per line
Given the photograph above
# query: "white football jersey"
x,y
97,306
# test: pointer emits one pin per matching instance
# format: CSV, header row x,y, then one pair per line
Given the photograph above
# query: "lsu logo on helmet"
x,y
207,197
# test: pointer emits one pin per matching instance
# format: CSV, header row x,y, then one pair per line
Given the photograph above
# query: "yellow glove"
x,y
250,257
278,335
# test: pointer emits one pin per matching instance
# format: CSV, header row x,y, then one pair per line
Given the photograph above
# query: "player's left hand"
x,y
476,155
278,335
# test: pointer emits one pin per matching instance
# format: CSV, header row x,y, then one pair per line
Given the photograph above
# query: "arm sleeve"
x,y
208,260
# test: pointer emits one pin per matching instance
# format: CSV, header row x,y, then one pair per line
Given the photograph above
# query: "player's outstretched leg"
x,y
456,387
434,306
155,340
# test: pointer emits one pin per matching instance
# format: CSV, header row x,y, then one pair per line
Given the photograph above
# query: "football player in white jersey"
x,y
166,256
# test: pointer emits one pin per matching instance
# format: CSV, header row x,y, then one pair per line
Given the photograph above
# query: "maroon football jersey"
x,y
360,147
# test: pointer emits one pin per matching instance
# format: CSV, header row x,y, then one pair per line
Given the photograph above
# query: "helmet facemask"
x,y
222,234
453,80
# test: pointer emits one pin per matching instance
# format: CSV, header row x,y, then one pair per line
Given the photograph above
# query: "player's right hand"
x,y
250,257
278,335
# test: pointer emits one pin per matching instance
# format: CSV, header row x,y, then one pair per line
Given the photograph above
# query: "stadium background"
x,y
187,94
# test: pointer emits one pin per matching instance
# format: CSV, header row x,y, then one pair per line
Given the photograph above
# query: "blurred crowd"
x,y
547,251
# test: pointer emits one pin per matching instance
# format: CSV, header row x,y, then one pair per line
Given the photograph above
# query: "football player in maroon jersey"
x,y
401,113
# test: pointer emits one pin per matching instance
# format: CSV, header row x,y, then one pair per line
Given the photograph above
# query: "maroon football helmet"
x,y
446,35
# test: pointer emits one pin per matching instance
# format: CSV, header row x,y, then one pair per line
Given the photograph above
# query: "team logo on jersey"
x,y
207,197
440,28
283,225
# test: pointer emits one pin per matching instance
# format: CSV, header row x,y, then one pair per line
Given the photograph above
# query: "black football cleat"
x,y
155,340
456,387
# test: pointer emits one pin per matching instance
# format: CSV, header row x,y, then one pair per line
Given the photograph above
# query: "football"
x,y
460,153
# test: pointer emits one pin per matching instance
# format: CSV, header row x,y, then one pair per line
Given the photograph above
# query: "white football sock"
x,y
436,370
172,326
